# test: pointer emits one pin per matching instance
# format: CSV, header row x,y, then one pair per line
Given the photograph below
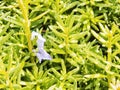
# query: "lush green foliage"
x,y
82,36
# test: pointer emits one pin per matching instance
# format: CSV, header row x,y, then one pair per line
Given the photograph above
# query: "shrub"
x,y
82,37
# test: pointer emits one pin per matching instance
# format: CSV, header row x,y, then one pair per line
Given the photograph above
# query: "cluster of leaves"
x,y
82,36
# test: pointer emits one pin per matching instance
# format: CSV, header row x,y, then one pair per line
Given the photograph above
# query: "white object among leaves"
x,y
41,54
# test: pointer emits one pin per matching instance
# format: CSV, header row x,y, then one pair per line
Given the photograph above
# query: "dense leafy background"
x,y
82,36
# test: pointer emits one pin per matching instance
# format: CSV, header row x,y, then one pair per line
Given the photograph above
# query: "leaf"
x,y
72,62
57,51
4,29
30,75
40,16
2,86
69,6
57,74
17,70
13,20
95,76
104,30
75,27
58,33
96,62
3,39
63,67
98,37
78,35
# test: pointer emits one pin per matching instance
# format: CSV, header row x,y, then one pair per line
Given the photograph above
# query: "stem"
x,y
26,22
109,50
28,34
109,56
66,42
